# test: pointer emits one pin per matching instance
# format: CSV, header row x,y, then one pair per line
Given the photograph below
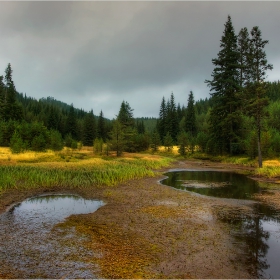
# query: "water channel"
x,y
257,233
30,246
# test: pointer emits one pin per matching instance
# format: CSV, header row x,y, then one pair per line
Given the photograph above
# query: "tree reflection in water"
x,y
258,234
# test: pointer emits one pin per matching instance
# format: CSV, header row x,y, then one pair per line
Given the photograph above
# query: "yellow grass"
x,y
79,168
272,163
174,150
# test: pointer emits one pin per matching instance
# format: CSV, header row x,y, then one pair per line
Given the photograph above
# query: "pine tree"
x,y
243,48
256,88
101,128
183,143
224,85
71,123
117,138
168,142
12,109
125,116
190,121
161,125
89,129
172,119
2,98
155,141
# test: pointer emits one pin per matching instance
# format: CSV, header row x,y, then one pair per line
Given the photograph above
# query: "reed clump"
x,y
268,171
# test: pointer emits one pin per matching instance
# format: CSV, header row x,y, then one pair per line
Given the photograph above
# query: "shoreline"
x,y
148,230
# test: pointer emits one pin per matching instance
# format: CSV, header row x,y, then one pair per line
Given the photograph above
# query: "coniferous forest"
x,y
240,117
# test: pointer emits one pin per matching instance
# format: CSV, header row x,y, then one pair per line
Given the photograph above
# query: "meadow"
x,y
73,168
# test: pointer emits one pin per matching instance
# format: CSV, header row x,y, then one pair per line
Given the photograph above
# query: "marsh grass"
x,y
268,171
82,169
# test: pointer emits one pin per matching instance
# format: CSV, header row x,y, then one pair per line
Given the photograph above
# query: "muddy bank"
x,y
150,231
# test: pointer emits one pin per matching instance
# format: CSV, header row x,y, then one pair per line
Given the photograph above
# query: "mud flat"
x,y
145,230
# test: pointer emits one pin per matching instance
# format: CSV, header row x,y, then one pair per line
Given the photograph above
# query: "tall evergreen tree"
x,y
89,129
2,98
161,125
243,48
190,117
101,128
256,88
117,138
224,85
12,109
71,123
125,116
172,118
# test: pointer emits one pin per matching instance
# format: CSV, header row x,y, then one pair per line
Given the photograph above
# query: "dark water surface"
x,y
258,233
30,246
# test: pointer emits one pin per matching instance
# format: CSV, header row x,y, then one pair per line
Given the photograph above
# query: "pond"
x,y
258,233
29,244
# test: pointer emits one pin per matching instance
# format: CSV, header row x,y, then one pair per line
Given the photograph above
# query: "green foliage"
x,y
16,144
125,116
39,143
71,123
224,85
168,142
201,140
68,140
183,142
89,129
56,141
190,122
117,138
155,142
101,127
98,145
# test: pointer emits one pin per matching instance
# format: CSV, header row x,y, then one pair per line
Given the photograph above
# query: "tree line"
x,y
240,116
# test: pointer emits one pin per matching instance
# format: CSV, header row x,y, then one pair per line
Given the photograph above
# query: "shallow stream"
x,y
257,233
32,249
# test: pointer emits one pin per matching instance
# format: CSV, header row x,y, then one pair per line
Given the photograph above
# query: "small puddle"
x,y
258,234
30,247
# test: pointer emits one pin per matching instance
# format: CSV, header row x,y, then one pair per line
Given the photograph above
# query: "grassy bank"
x,y
81,169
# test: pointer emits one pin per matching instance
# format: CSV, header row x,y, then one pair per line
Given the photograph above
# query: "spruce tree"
x,y
71,123
224,118
12,109
89,129
161,125
2,98
172,118
256,88
125,116
117,138
101,128
190,121
243,48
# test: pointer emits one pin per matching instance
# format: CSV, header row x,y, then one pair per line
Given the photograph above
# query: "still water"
x,y
258,234
29,244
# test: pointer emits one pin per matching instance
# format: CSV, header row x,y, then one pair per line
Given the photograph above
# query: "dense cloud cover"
x,y
97,54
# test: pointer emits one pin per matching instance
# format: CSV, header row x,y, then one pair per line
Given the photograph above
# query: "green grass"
x,y
84,174
268,171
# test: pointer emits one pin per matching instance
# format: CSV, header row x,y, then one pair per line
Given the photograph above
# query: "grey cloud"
x,y
96,54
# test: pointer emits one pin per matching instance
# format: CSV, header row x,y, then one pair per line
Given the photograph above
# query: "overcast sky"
x,y
97,54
